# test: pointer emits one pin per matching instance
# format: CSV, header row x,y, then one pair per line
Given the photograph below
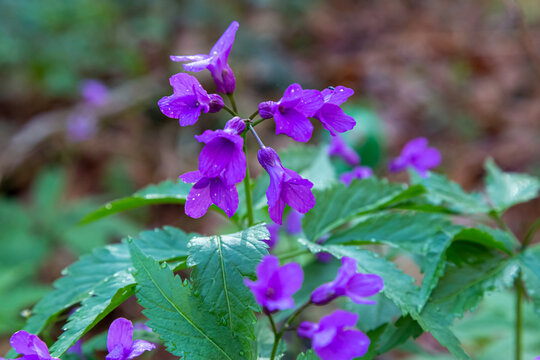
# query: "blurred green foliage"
x,y
33,233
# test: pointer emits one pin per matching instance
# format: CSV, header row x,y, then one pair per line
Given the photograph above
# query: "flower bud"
x,y
216,103
266,109
235,125
268,157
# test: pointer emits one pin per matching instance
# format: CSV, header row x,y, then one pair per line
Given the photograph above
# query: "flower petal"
x,y
28,344
297,194
215,156
224,196
191,177
120,333
225,42
198,200
294,124
334,119
338,95
312,100
275,210
117,353
140,346
183,108
361,286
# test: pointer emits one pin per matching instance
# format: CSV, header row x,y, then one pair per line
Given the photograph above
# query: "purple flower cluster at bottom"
x,y
418,155
334,337
32,347
120,344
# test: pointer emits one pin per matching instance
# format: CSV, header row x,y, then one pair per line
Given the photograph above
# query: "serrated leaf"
x,y
443,192
529,262
489,237
396,334
219,265
339,203
100,281
166,192
312,163
184,321
398,286
372,316
308,355
423,234
507,189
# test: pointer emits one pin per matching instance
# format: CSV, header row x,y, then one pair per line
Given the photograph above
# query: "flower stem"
x,y
286,327
255,123
256,136
233,102
252,116
519,321
229,110
247,188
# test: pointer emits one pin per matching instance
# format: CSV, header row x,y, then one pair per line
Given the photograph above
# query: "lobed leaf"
x,y
166,192
219,265
507,189
339,204
183,320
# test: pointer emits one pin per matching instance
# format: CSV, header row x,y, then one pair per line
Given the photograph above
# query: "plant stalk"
x,y
519,319
233,102
247,188
279,335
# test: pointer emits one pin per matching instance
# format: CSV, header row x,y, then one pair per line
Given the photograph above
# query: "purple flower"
x,y
275,285
338,147
223,153
273,229
291,112
94,92
331,115
208,191
356,286
216,61
294,222
120,344
323,256
188,100
30,346
334,337
359,172
81,126
418,155
77,349
286,187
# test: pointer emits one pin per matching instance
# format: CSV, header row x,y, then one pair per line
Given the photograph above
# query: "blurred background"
x,y
79,122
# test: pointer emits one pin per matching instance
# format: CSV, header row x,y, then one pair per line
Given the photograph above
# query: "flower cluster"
x,y
334,336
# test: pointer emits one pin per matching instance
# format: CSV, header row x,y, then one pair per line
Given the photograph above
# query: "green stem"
x,y
229,110
233,102
247,188
252,116
292,254
530,233
519,320
258,122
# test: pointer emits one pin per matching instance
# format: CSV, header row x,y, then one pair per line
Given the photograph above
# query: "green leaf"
x,y
339,203
373,316
425,235
184,321
308,355
167,192
398,286
100,281
219,265
508,189
396,334
489,237
310,162
529,262
446,193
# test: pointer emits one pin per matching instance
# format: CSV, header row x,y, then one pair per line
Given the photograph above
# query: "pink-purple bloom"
x,y
418,155
276,284
189,100
208,191
294,222
29,345
330,113
286,187
94,92
339,147
223,153
348,282
359,172
273,230
291,112
120,344
215,61
334,337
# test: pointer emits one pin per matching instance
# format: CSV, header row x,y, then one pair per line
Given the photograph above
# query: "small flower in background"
x,y
189,100
286,187
215,61
291,112
223,153
331,115
334,337
418,155
94,92
275,285
208,191
77,349
338,147
273,229
81,126
294,222
30,346
359,172
356,286
323,257
120,344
